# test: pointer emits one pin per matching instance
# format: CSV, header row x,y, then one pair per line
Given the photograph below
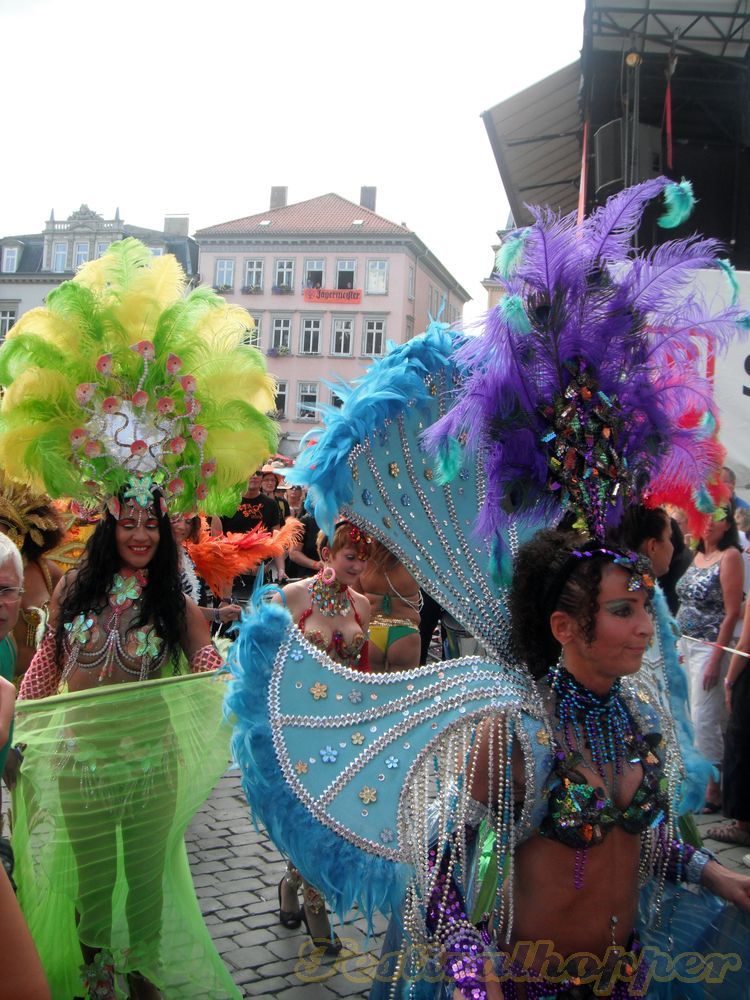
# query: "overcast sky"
x,y
181,106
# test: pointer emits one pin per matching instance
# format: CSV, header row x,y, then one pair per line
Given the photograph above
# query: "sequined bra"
x,y
349,654
581,816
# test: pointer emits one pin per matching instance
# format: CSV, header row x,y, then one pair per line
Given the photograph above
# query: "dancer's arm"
x,y
201,654
22,974
7,707
731,576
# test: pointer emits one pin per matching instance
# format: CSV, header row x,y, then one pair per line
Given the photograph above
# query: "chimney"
x,y
367,197
176,225
278,197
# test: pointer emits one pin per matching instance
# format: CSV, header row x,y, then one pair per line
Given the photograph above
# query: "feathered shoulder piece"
x,y
23,512
580,388
123,378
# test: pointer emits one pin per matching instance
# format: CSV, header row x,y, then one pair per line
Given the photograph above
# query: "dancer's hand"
x,y
729,885
13,765
711,676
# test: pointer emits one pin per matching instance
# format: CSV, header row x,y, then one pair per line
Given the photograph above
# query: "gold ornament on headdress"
x,y
24,512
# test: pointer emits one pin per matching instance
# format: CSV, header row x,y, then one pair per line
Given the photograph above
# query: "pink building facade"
x,y
328,283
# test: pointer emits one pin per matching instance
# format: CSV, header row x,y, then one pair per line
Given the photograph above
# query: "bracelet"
x,y
694,867
217,615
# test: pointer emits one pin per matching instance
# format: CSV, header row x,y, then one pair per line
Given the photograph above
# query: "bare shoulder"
x,y
297,596
361,604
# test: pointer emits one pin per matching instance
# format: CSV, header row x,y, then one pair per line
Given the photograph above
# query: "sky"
x,y
161,107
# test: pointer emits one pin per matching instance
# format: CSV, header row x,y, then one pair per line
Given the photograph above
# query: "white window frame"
x,y
252,337
337,326
7,319
377,277
342,264
10,260
282,393
409,328
373,327
254,272
281,335
315,264
101,248
410,284
310,332
81,251
157,251
59,256
283,272
224,272
307,410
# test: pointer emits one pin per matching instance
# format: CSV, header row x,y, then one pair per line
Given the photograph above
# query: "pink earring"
x,y
328,575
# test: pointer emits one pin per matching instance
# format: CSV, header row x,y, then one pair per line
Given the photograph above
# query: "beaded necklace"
x,y
330,598
601,722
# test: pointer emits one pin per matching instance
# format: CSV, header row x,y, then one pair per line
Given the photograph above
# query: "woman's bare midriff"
x,y
548,907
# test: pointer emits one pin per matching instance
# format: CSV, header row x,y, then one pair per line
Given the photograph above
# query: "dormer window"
x,y
10,260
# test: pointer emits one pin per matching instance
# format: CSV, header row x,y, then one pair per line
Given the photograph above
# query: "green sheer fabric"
x,y
110,781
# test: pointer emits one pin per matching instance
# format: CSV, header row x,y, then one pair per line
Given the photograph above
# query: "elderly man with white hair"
x,y
21,972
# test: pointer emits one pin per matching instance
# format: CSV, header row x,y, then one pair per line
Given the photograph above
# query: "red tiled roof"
x,y
328,214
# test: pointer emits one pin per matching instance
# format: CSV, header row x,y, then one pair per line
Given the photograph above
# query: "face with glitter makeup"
x,y
137,535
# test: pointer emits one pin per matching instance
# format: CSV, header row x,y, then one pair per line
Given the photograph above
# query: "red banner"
x,y
334,296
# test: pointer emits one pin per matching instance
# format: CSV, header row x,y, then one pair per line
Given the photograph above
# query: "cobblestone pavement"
x,y
236,871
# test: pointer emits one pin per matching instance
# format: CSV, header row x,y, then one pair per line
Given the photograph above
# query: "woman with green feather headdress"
x,y
126,393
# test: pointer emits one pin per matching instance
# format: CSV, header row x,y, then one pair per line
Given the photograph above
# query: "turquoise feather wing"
x,y
326,753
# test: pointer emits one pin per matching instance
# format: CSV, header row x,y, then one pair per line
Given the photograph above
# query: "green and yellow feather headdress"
x,y
123,382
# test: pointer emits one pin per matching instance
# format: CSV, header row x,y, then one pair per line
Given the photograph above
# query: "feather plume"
x,y
575,390
679,201
219,559
119,357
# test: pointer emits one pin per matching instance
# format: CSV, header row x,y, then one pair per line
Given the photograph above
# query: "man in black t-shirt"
x,y
255,509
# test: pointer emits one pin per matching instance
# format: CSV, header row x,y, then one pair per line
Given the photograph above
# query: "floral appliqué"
x,y
141,489
79,629
148,643
301,767
319,691
125,590
358,739
368,795
328,755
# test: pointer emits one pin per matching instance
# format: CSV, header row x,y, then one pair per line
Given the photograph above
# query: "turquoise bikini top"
x,y
581,816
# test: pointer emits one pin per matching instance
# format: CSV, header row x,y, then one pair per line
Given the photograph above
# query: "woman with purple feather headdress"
x,y
526,796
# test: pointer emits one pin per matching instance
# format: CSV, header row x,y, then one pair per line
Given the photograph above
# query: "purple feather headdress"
x,y
577,387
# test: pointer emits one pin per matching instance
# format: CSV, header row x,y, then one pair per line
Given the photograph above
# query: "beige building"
x,y
32,265
329,282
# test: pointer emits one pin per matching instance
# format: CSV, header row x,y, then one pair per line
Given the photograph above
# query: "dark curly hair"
x,y
547,578
163,601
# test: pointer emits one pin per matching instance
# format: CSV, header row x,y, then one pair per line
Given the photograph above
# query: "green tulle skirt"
x,y
110,781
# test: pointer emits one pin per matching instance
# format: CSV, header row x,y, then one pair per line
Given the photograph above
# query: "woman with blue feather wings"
x,y
516,797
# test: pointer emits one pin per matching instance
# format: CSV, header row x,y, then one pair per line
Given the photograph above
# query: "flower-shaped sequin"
x,y
296,654
387,836
319,691
328,755
301,767
368,795
393,469
358,739
367,498
355,697
78,630
391,762
125,590
148,643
